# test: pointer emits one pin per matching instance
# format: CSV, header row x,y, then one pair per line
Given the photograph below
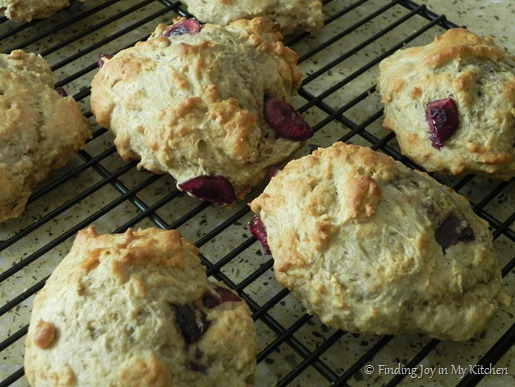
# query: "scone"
x,y
451,104
305,15
136,309
371,246
40,130
27,10
209,105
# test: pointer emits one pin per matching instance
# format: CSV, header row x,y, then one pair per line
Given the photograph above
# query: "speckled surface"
x,y
99,188
484,17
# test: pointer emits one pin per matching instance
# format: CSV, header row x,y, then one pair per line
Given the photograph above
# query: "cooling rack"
x,y
339,100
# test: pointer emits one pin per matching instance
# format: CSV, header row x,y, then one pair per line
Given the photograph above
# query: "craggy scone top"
x,y
190,100
369,245
27,10
137,309
473,74
289,14
40,129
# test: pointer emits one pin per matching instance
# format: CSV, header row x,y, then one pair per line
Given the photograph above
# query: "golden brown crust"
x,y
289,14
40,131
353,234
27,10
480,77
44,334
192,105
115,297
460,43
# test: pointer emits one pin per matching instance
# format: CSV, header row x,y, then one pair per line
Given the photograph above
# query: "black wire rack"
x,y
339,100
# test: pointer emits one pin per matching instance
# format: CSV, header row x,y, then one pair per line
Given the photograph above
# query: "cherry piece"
x,y
224,295
451,231
101,59
443,120
274,170
199,353
186,26
286,122
196,367
191,322
257,228
214,189
61,91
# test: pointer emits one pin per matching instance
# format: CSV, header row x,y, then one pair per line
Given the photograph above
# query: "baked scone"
x,y
451,104
136,309
40,130
209,105
28,10
369,245
305,15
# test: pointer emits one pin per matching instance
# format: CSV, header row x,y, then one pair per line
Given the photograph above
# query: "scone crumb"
x,y
45,334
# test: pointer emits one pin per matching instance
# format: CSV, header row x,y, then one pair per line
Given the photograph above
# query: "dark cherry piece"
x,y
101,58
224,295
453,230
257,228
196,367
286,122
214,189
198,353
275,170
61,91
191,322
186,26
442,117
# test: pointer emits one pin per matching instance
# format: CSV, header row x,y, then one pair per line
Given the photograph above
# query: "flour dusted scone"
x,y
136,309
27,10
289,14
209,105
369,245
40,130
451,104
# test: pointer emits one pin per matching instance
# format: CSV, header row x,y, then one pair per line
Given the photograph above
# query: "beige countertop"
x,y
44,233
484,17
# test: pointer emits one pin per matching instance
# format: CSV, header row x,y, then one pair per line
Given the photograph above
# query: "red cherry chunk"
x,y
186,26
224,295
101,59
214,189
274,170
286,122
61,91
442,117
257,228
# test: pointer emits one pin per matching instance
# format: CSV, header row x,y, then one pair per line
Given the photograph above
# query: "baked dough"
x,y
369,245
40,130
27,10
289,14
480,77
191,104
136,309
